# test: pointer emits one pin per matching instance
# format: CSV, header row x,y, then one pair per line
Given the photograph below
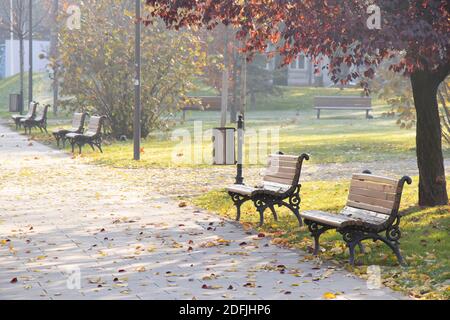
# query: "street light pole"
x,y
30,54
11,46
137,85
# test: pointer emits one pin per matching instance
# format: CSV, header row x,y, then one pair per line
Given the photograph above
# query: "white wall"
x,y
39,65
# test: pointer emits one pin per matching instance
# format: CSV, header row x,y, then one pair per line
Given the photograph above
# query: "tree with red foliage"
x,y
419,30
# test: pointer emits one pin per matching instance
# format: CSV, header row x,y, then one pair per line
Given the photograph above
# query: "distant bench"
x,y
343,103
207,103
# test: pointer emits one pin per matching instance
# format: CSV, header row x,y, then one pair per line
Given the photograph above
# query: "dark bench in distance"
x,y
93,136
78,121
207,103
340,103
30,115
40,121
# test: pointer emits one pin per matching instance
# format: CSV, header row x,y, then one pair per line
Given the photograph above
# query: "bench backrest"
x,y
284,170
343,101
95,126
42,114
375,193
32,109
78,121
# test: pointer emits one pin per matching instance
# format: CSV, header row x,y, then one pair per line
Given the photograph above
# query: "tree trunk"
x,y
54,54
432,182
22,67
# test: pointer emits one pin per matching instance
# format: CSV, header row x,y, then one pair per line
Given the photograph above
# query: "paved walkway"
x,y
74,231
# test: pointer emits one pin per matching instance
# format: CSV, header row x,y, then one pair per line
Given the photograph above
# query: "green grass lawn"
x,y
41,89
425,242
333,139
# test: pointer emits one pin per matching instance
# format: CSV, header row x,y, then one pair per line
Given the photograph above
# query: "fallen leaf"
x,y
182,204
329,296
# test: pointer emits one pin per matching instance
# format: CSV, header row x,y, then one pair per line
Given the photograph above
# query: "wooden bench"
x,y
207,103
343,103
77,127
280,187
93,136
372,208
30,115
40,121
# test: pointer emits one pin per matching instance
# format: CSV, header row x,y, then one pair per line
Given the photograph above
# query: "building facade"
x,y
11,57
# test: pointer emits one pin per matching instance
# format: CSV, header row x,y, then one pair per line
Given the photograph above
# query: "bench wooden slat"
x,y
278,180
324,217
377,179
372,201
284,157
241,189
369,207
282,163
373,193
374,186
290,170
365,215
278,174
270,184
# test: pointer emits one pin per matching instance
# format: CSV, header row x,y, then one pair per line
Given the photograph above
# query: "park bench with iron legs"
x,y
30,115
280,187
92,137
77,127
372,209
40,121
338,103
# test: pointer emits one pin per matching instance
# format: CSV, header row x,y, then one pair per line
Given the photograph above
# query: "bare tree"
x,y
54,52
18,25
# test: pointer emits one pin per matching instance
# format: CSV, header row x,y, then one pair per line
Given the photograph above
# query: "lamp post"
x,y
11,50
137,85
30,53
240,151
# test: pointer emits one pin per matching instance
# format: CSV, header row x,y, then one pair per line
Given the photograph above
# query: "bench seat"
x,y
347,217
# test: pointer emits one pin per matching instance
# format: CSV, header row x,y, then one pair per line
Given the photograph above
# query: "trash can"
x,y
15,103
224,152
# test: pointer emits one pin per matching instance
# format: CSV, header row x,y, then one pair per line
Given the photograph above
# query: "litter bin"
x,y
224,146
15,103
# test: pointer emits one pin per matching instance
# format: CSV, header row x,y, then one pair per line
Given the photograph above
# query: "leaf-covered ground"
x,y
425,239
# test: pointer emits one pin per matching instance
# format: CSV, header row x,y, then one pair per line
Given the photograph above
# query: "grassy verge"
x,y
328,141
425,241
339,137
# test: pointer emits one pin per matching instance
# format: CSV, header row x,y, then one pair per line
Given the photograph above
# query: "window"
x,y
299,63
